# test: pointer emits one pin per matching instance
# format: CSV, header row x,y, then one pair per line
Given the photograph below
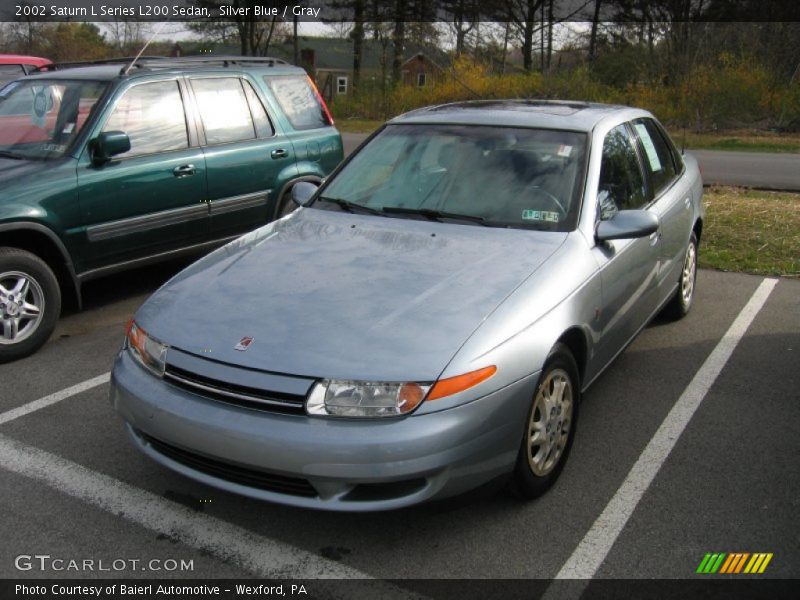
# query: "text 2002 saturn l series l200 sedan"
x,y
427,321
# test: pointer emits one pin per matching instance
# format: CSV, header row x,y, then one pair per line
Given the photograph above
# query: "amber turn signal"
x,y
459,383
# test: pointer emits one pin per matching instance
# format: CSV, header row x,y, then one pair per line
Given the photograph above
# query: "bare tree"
x,y
593,36
463,17
339,29
126,37
255,34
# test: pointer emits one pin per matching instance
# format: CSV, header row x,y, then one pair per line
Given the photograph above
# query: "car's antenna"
x,y
683,140
147,43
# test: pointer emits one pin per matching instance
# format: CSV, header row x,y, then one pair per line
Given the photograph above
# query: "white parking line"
x,y
259,555
596,544
30,407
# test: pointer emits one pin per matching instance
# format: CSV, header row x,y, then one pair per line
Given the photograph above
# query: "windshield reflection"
x,y
482,175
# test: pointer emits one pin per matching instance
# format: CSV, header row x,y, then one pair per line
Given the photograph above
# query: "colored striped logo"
x,y
734,562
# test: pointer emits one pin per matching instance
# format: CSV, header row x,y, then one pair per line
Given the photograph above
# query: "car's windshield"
x,y
527,178
39,119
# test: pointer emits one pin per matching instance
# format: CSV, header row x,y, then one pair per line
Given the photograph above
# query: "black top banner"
x,y
403,10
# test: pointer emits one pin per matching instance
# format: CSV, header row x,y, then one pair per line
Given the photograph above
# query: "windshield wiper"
x,y
8,154
350,206
435,215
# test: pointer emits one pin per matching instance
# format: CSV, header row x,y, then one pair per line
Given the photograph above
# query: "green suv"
x,y
105,167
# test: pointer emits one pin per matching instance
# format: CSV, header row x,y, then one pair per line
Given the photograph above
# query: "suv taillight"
x,y
321,101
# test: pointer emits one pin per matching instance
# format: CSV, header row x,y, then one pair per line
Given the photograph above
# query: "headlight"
x,y
364,399
335,398
148,352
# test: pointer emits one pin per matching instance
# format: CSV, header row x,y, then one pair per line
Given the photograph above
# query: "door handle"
x,y
183,171
279,153
655,237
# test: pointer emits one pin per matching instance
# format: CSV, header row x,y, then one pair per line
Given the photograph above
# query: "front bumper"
x,y
327,463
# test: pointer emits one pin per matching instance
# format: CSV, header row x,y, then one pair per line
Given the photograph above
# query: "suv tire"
x,y
285,205
30,303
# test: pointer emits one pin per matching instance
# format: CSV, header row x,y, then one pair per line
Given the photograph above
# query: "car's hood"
x,y
12,169
332,294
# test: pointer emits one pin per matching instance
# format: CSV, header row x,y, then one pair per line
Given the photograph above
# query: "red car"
x,y
14,66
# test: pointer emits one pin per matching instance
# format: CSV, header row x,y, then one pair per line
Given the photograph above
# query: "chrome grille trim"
x,y
233,394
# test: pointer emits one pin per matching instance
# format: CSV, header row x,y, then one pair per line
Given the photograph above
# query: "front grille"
x,y
271,482
235,394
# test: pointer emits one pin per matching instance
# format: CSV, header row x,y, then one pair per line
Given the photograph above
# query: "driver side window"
x,y
152,116
621,184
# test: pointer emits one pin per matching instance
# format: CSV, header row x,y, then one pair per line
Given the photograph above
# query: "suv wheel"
x,y
30,303
285,205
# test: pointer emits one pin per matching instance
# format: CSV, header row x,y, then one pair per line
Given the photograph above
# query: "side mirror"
x,y
302,192
109,144
627,224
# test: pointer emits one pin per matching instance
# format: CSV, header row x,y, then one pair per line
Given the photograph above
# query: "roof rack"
x,y
167,62
224,58
89,63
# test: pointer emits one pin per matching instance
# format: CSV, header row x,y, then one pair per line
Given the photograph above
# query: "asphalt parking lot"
x,y
75,488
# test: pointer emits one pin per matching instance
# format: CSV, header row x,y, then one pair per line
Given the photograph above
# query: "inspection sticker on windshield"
x,y
564,150
539,215
41,102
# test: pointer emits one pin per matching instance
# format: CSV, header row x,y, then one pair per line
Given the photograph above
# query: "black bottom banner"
x,y
462,589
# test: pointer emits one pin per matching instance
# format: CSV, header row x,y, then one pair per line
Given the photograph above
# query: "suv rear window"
x,y
224,110
299,101
11,69
10,72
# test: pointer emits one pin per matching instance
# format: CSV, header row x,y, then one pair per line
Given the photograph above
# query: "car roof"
x,y
545,114
109,69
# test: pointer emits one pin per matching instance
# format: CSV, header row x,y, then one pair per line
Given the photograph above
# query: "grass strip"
x,y
751,231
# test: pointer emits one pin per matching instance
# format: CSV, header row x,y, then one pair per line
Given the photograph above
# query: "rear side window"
x,y
224,110
153,117
262,122
298,99
658,159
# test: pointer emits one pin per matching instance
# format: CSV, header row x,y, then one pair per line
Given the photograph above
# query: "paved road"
x,y
748,169
74,487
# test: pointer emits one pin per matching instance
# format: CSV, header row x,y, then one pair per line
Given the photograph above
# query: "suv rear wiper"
x,y
350,206
435,215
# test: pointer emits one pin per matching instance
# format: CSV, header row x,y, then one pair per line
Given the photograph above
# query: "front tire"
x,y
30,303
550,426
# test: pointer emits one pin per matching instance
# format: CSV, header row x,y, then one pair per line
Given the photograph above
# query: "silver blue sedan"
x,y
428,318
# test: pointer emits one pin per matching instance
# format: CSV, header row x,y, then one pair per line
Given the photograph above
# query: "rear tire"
x,y
681,302
285,205
550,426
30,303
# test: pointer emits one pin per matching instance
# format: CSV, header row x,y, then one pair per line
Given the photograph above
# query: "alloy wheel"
x,y
21,306
550,422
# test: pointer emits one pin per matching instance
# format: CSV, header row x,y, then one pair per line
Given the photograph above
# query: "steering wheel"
x,y
553,200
